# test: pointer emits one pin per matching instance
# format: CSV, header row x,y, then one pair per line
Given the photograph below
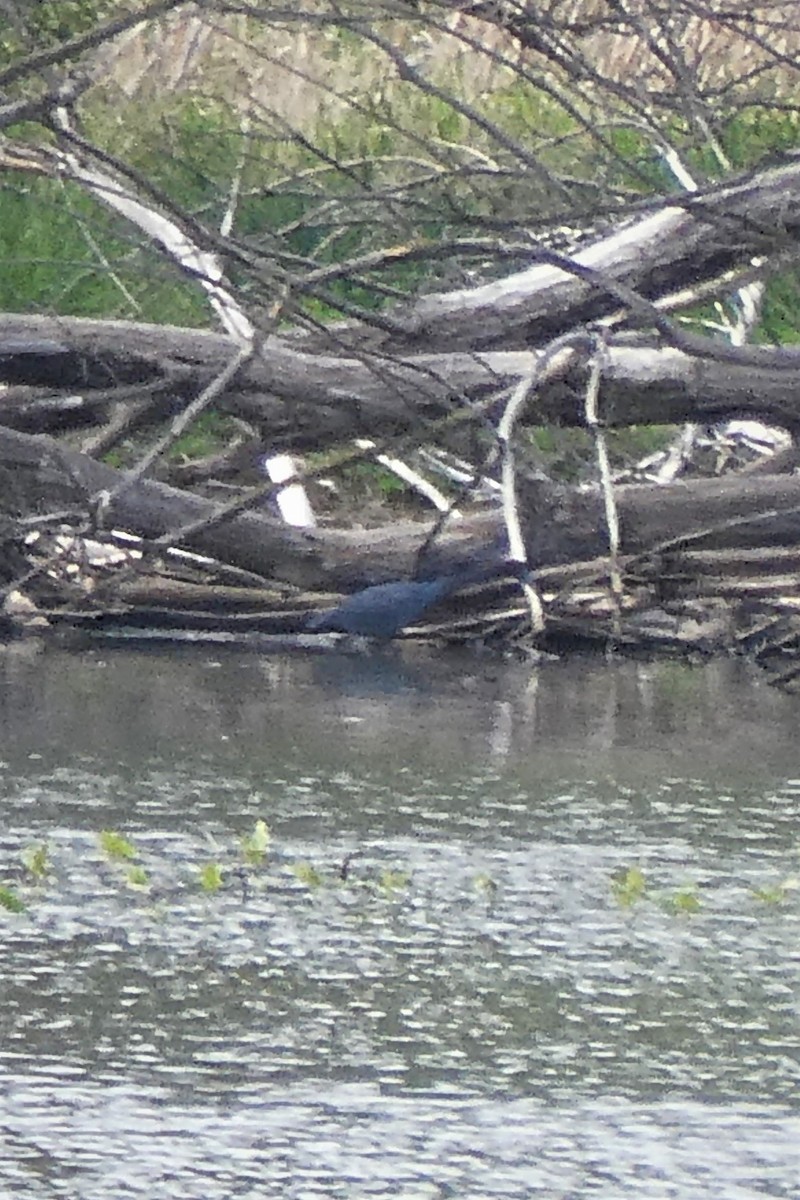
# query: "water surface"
x,y
430,986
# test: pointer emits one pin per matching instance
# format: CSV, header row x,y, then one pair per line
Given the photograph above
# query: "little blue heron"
x,y
384,610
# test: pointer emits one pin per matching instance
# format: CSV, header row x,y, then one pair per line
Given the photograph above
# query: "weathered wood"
x,y
677,243
306,400
567,525
40,476
37,475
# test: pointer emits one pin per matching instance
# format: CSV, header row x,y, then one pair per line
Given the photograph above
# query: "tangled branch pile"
x,y
473,245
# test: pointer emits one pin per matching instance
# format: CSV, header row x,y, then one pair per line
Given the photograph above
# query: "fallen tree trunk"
x,y
421,368
677,244
39,476
306,401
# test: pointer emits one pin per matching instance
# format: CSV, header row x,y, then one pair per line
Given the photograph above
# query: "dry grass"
x,y
714,46
304,73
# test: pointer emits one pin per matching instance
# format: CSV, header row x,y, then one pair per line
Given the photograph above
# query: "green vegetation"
x,y
49,22
207,433
137,877
685,900
36,860
485,885
757,134
777,893
361,161
391,881
628,886
116,847
569,453
315,193
249,863
780,323
211,877
64,252
256,845
308,875
10,901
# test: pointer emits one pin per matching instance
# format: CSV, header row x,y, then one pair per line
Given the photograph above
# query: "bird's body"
x,y
385,610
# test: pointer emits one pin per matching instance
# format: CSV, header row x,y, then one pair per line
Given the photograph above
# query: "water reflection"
x,y
467,1009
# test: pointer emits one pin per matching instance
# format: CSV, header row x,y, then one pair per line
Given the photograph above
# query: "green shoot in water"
x,y
10,902
392,881
211,877
256,845
36,860
116,847
685,900
628,885
308,875
778,893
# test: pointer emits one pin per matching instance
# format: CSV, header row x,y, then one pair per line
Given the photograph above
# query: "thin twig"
x,y
554,359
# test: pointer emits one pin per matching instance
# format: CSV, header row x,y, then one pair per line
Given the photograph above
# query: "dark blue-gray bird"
x,y
385,610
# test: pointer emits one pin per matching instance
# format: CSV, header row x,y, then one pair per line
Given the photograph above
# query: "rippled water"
x,y
430,986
